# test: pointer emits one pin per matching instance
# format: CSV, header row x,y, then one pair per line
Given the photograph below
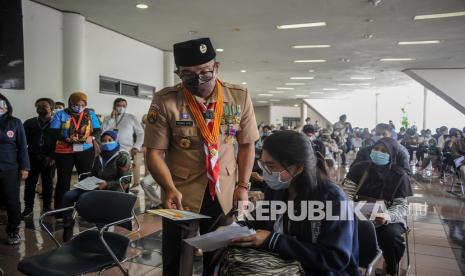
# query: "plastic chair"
x,y
369,251
91,250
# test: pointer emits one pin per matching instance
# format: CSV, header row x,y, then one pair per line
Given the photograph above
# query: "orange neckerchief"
x,y
210,137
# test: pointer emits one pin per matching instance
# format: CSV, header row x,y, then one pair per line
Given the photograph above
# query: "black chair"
x,y
369,251
93,249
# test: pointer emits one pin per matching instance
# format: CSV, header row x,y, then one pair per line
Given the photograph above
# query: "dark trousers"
x,y
69,198
178,256
65,162
46,173
391,241
9,188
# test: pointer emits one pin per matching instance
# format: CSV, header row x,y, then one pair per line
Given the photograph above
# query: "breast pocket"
x,y
186,137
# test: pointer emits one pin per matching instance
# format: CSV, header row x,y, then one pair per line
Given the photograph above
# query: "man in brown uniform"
x,y
200,148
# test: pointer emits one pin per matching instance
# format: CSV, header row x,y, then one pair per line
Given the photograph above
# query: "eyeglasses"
x,y
203,76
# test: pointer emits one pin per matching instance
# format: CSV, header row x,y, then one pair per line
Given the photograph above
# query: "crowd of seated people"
x,y
302,170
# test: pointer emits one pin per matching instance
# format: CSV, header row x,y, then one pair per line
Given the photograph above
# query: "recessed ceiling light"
x,y
274,100
330,89
346,84
276,92
301,25
265,95
302,78
310,46
419,42
316,93
244,83
142,6
220,50
396,59
285,88
262,101
296,105
439,15
294,83
301,96
311,71
243,71
309,60
361,78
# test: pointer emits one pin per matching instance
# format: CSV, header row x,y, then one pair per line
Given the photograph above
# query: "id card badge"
x,y
78,147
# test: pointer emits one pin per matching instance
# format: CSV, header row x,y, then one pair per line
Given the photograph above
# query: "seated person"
x,y
110,165
384,130
382,179
434,155
320,246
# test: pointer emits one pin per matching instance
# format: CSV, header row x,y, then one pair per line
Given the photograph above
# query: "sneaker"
x,y
13,238
26,213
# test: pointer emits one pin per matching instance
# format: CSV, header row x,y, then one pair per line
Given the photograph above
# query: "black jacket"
x,y
39,138
13,145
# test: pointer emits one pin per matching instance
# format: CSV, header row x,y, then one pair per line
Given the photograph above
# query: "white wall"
x,y
316,116
278,112
43,40
114,55
262,114
107,53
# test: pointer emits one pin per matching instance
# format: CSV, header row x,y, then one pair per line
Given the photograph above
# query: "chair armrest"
x,y
41,221
129,176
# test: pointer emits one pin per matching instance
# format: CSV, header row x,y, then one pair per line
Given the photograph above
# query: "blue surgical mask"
x,y
109,146
77,109
379,158
273,180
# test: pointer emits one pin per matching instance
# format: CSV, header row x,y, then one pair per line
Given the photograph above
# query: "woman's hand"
x,y
103,186
89,140
255,240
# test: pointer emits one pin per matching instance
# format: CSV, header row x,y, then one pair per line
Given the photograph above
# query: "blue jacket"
x,y
13,145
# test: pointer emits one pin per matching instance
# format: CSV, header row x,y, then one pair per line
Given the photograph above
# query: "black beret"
x,y
193,52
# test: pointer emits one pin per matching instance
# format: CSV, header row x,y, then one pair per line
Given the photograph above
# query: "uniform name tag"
x,y
184,123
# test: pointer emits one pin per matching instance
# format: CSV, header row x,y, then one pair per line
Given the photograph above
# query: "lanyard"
x,y
118,122
78,124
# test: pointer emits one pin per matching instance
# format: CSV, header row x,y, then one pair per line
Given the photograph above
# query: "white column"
x,y
168,69
425,99
376,108
303,113
74,44
270,114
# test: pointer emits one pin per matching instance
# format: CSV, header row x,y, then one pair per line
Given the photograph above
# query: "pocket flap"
x,y
181,172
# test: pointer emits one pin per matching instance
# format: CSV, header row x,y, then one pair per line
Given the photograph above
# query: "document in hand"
x,y
459,161
177,215
89,183
220,238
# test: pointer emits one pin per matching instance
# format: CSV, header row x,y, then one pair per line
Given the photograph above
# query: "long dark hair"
x,y
9,113
292,148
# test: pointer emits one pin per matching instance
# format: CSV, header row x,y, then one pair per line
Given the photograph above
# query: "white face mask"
x,y
120,110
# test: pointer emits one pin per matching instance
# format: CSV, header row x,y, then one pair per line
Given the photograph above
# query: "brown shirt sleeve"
x,y
157,130
249,130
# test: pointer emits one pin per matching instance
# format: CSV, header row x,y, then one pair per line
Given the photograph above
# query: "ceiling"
x,y
246,30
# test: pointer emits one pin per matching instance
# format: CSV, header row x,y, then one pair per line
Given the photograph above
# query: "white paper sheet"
x,y
89,183
220,238
459,161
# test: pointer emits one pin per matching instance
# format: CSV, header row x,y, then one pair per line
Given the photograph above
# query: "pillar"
x,y
168,69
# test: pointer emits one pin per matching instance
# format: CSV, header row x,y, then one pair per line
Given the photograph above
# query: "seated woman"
x,y
110,166
319,246
382,179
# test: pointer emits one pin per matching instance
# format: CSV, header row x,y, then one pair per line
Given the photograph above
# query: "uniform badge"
x,y
152,116
203,48
10,134
185,116
185,142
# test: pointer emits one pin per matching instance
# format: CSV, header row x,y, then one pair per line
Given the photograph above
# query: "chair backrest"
x,y
105,206
368,244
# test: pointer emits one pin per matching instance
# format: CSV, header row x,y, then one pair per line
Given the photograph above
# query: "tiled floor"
x,y
437,245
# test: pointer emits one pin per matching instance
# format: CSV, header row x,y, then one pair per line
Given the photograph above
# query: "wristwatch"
x,y
245,185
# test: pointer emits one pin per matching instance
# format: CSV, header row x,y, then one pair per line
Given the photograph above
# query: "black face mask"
x,y
198,88
42,111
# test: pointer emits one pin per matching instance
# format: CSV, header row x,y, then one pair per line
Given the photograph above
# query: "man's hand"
x,y
23,174
134,151
114,114
173,199
255,240
240,194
